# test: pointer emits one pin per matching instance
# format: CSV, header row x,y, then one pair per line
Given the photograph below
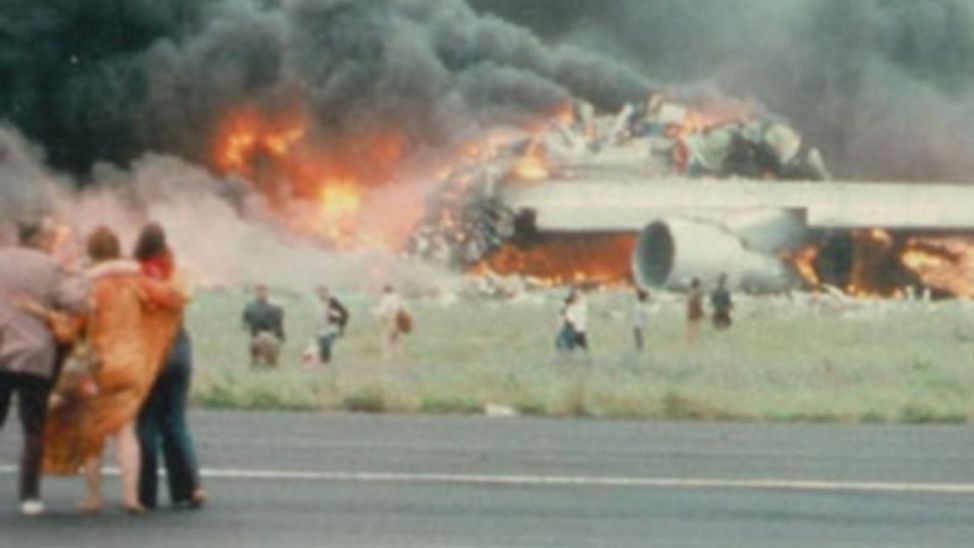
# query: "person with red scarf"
x,y
163,416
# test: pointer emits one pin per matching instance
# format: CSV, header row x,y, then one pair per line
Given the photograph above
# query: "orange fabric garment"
x,y
132,325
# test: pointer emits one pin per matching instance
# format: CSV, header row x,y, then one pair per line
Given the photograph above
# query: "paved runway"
x,y
282,479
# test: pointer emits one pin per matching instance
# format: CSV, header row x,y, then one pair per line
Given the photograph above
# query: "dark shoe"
x,y
195,501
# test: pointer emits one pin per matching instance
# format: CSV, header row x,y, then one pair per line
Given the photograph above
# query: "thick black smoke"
x,y
111,79
885,87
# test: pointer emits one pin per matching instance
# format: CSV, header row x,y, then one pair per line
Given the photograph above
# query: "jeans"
x,y
325,344
565,340
163,419
32,393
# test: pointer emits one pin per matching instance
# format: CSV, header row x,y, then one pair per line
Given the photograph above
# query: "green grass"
x,y
782,361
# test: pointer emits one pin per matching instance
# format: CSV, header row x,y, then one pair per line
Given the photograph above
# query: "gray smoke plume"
x,y
189,202
110,80
25,185
884,87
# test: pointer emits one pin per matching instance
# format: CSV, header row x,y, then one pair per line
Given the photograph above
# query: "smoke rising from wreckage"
x,y
423,127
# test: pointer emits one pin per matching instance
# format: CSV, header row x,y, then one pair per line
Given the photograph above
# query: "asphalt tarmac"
x,y
296,479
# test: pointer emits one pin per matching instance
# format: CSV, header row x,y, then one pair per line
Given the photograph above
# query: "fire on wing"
x,y
461,218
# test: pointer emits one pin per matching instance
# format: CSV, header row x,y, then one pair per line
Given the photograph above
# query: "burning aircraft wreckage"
x,y
655,194
666,191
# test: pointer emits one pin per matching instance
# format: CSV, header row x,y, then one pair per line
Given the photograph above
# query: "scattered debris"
x,y
466,219
500,411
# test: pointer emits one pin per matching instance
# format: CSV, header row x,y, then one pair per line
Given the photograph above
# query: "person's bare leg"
x,y
127,452
693,331
388,341
92,500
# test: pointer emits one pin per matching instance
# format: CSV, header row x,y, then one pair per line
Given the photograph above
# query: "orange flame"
x,y
247,133
278,155
803,262
597,259
943,264
533,165
339,205
872,250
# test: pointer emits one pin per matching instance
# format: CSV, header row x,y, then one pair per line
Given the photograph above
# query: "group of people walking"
x,y
264,321
94,352
572,333
721,305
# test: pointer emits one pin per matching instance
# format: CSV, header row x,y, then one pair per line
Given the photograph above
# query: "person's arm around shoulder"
x,y
72,293
166,295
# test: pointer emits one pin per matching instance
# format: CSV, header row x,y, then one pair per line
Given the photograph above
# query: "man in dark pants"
x,y
163,415
163,418
720,301
28,348
265,321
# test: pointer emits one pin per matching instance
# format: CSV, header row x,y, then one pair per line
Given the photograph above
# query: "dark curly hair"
x,y
151,243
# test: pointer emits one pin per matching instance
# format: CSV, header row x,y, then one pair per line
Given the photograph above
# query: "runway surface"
x,y
297,479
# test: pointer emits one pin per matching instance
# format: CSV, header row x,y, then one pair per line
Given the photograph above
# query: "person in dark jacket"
x,y
721,303
162,419
265,321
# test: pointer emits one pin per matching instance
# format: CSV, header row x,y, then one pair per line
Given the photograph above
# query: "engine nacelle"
x,y
671,252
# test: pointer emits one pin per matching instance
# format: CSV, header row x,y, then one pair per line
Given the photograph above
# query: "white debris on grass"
x,y
494,410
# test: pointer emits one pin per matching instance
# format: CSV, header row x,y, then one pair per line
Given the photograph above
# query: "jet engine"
x,y
671,252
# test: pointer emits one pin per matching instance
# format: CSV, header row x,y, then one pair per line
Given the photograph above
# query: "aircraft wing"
x,y
593,205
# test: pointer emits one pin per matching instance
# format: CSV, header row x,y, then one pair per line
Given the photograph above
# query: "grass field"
x,y
810,358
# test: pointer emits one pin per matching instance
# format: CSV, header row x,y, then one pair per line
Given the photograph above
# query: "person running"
x,y
162,420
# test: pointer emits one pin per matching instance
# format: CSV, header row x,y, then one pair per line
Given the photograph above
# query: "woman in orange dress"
x,y
131,326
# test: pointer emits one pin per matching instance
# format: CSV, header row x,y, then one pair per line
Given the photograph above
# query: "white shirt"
x,y
640,316
577,315
389,307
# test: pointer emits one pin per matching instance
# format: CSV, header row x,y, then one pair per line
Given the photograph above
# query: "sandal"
x,y
135,510
198,498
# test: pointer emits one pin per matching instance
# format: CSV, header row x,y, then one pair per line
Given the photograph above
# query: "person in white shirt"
x,y
565,336
393,320
576,315
640,317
